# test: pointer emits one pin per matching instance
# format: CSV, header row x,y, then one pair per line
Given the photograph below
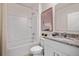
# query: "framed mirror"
x,y
73,21
67,17
47,20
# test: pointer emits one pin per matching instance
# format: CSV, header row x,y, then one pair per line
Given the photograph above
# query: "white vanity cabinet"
x,y
54,48
49,49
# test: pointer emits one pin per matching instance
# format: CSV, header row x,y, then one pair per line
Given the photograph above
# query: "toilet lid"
x,y
36,48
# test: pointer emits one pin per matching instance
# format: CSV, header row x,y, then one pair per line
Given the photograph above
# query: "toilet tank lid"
x,y
36,48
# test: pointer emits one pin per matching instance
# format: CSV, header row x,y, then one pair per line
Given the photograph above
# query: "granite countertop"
x,y
68,41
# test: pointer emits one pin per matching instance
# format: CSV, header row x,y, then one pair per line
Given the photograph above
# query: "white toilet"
x,y
37,51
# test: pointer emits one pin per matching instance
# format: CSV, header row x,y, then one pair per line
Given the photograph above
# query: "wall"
x,y
61,11
47,5
39,22
0,32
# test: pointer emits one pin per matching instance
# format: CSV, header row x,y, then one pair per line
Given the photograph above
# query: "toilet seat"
x,y
36,49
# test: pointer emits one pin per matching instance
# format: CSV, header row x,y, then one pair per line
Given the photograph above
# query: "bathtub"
x,y
21,50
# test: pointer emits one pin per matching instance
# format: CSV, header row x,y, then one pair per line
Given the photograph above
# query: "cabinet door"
x,y
58,53
49,50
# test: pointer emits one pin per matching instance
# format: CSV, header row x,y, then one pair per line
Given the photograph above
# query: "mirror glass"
x,y
46,20
67,17
73,21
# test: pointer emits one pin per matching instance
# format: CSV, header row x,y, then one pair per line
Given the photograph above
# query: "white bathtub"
x,y
22,50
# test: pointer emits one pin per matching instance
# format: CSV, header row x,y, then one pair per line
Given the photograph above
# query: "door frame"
x,y
4,29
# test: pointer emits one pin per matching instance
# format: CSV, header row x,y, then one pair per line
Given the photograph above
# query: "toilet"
x,y
37,51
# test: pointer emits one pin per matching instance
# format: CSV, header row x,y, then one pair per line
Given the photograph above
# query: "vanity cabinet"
x,y
54,48
49,50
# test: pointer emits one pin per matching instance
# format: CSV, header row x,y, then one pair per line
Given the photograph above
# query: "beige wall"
x,y
47,5
0,33
61,11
